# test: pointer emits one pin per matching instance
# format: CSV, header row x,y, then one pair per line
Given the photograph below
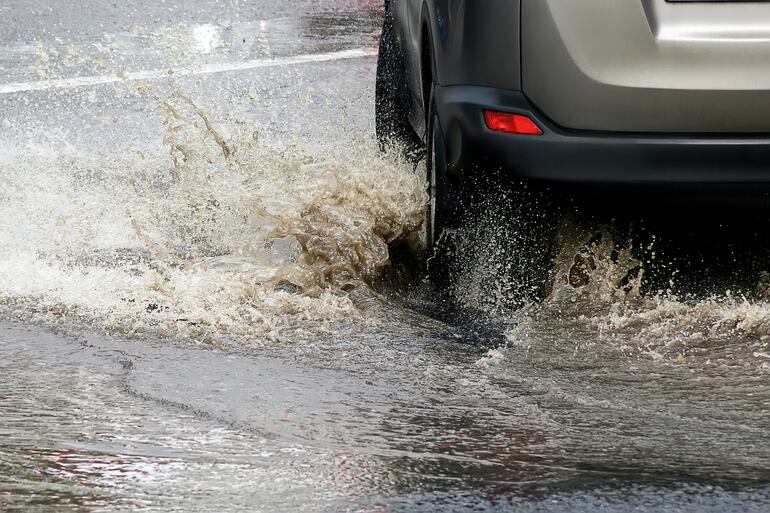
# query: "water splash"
x,y
597,296
215,236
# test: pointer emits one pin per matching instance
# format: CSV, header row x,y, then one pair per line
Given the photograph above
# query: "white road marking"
x,y
155,74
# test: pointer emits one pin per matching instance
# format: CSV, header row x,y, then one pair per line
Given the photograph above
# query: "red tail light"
x,y
511,123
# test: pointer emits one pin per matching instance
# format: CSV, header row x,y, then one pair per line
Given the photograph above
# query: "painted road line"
x,y
205,69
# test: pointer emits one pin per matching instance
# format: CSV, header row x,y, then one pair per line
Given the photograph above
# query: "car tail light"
x,y
511,123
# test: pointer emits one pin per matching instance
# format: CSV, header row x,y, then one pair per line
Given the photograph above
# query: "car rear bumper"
x,y
595,158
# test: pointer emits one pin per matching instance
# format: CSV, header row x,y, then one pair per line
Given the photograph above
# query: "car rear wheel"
x,y
438,215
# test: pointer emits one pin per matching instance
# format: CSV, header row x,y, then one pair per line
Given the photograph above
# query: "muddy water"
x,y
188,322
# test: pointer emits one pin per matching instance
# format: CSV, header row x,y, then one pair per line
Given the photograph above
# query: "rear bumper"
x,y
595,158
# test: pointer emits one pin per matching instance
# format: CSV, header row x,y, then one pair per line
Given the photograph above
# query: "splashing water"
x,y
215,236
649,383
601,286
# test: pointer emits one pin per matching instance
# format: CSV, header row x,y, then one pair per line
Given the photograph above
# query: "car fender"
x,y
471,42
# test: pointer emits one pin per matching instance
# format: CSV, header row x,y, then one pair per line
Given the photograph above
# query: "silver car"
x,y
658,94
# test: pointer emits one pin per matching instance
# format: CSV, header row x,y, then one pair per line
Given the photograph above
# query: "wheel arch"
x,y
471,42
455,42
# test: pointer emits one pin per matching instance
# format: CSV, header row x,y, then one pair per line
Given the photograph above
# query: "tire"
x,y
427,247
392,99
438,214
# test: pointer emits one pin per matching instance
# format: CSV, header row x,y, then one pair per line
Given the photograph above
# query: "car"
x,y
653,95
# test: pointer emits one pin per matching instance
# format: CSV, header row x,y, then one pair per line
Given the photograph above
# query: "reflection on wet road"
x,y
187,239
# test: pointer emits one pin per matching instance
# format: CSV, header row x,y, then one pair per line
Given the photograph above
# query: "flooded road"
x,y
197,312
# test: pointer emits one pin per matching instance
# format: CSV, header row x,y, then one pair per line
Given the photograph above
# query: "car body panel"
x,y
648,65
633,92
599,158
472,43
476,45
